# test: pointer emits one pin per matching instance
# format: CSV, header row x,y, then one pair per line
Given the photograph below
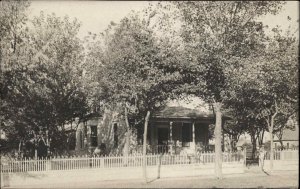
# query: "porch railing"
x,y
154,149
160,149
75,163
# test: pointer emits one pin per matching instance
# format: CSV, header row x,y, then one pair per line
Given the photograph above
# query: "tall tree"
x,y
13,58
279,76
270,82
47,93
58,63
214,34
242,105
133,68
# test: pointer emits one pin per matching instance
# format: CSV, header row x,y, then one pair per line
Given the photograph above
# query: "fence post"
x,y
102,162
48,164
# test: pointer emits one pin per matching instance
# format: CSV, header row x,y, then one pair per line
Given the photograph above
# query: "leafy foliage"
x,y
132,66
216,35
46,91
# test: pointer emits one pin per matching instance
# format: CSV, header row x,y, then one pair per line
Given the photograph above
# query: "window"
x,y
115,135
186,134
94,141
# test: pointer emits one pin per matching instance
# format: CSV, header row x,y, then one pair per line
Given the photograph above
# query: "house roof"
x,y
183,112
290,135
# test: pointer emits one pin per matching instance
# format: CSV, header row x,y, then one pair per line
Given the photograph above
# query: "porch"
x,y
181,130
178,137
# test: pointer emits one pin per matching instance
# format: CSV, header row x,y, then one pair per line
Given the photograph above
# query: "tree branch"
x,y
227,131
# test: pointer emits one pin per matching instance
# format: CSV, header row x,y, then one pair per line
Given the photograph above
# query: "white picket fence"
x,y
284,155
74,163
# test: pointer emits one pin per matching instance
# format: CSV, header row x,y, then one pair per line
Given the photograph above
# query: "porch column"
x,y
171,139
193,135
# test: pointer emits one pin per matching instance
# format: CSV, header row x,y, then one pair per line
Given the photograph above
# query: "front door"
x,y
163,137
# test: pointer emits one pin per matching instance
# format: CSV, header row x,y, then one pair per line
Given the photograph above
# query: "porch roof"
x,y
179,112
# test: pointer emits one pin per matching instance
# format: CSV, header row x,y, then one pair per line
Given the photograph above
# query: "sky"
x,y
95,16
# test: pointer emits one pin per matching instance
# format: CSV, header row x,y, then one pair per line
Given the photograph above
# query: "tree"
x,y
13,16
58,62
242,105
284,123
233,127
270,82
214,33
46,92
280,83
133,70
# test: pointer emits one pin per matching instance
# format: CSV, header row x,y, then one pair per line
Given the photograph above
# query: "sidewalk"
x,y
92,175
278,179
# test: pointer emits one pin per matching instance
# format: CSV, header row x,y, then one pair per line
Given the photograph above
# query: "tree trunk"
x,y
271,147
235,140
68,144
281,144
279,136
20,144
128,132
271,135
145,145
271,127
231,142
261,137
253,141
271,139
218,140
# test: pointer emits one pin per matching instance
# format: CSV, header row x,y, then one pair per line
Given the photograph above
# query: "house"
x,y
179,129
173,130
290,139
87,135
